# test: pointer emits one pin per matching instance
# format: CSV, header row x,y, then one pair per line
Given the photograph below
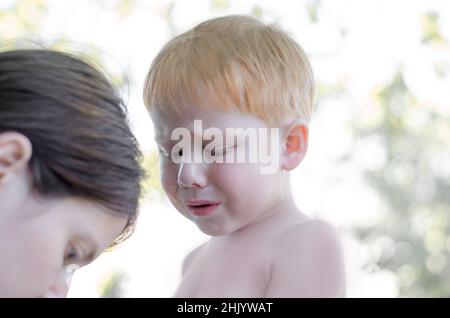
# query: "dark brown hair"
x,y
77,125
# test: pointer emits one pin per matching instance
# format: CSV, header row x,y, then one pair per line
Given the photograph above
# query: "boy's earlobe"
x,y
295,144
15,152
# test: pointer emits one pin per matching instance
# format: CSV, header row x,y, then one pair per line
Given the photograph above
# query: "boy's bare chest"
x,y
232,271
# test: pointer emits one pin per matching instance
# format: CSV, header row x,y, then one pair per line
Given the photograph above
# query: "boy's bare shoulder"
x,y
190,257
309,239
310,231
308,262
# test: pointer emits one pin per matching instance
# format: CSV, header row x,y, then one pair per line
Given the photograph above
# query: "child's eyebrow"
x,y
164,144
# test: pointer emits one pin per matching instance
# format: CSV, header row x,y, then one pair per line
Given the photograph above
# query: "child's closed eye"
x,y
220,151
162,152
73,255
77,253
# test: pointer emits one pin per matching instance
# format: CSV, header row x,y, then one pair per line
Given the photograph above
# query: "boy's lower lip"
x,y
205,210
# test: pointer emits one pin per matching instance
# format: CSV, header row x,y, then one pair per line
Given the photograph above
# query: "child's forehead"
x,y
204,118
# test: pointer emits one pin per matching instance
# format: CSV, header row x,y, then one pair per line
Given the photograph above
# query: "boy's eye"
x,y
162,152
220,151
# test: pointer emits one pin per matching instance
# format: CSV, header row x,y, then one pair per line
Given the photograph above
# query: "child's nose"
x,y
191,175
59,289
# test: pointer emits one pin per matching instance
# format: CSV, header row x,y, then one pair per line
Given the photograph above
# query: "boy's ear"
x,y
15,153
295,144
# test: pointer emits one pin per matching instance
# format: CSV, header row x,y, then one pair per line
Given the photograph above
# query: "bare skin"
x,y
271,258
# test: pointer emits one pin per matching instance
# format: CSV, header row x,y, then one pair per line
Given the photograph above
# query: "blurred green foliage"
x,y
414,183
414,235
112,285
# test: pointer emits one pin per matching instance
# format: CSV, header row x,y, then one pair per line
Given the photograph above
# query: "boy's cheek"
x,y
241,180
231,177
169,175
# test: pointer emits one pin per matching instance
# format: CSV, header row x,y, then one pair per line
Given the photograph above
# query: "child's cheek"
x,y
232,178
169,175
243,185
39,259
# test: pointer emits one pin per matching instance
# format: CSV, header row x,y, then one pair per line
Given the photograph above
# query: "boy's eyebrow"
x,y
163,143
160,140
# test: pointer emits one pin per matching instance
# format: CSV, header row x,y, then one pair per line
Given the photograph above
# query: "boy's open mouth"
x,y
202,207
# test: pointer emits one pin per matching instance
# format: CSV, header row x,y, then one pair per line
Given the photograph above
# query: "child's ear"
x,y
15,153
295,144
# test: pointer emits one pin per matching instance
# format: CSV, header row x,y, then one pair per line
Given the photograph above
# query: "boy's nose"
x,y
191,175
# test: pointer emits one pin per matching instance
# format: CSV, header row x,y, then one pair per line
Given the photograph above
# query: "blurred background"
x,y
378,165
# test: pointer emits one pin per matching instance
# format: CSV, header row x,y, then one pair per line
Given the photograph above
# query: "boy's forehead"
x,y
195,118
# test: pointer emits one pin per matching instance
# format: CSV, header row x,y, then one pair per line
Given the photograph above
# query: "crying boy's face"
x,y
44,241
220,169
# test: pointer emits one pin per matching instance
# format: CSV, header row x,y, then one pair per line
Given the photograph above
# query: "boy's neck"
x,y
282,209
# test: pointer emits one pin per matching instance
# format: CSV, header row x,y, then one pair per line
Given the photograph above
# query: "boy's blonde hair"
x,y
233,62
